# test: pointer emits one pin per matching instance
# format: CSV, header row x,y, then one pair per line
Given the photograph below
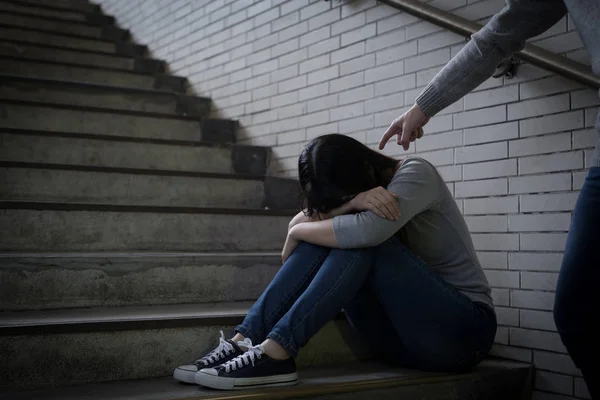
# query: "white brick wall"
x,y
513,152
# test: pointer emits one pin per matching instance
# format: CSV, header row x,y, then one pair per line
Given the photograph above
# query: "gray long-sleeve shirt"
x,y
504,35
430,225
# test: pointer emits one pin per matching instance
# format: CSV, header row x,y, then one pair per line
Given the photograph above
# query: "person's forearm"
x,y
462,74
302,217
341,210
298,218
318,232
502,36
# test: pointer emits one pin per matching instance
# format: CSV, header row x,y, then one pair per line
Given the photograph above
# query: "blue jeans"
x,y
577,302
406,314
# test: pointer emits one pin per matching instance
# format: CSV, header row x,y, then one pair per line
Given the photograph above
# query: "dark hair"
x,y
334,168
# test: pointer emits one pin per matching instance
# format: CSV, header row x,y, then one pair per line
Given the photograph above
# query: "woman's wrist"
x,y
341,210
350,206
293,232
298,218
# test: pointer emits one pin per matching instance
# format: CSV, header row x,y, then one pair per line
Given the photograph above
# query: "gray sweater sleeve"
x,y
502,36
417,185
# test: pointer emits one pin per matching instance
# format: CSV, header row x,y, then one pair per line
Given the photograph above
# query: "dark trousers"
x,y
577,303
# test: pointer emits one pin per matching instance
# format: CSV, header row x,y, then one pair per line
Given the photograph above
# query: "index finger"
x,y
389,133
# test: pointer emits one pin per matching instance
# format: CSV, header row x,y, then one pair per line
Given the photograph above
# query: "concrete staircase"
x,y
133,227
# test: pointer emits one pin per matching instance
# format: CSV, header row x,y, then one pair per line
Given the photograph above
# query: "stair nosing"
x,y
120,318
133,208
130,139
90,67
103,110
94,319
62,20
73,35
129,171
54,8
78,50
97,86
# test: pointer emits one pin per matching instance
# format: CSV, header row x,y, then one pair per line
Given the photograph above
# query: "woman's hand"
x,y
289,247
408,127
379,200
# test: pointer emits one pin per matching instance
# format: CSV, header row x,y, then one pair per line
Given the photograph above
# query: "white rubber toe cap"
x,y
185,373
209,371
191,368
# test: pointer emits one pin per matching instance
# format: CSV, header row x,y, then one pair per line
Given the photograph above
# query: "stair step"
x,y
59,347
37,281
46,11
127,152
45,38
53,25
491,380
24,50
41,182
99,121
102,96
89,74
67,227
75,320
80,6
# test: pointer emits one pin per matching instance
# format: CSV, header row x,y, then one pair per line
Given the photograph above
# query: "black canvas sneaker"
x,y
253,369
225,351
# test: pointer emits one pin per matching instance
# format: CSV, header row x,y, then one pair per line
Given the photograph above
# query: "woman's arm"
x,y
319,233
301,217
502,36
319,230
417,187
309,224
379,200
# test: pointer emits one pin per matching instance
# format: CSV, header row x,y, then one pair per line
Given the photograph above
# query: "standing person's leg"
x,y
435,327
577,302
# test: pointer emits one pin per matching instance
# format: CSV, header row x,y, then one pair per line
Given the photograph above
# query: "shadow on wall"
x,y
242,132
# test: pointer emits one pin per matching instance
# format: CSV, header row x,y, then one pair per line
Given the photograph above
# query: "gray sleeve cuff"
x,y
431,101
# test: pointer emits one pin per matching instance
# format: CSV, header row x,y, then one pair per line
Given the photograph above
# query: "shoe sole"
x,y
219,382
184,376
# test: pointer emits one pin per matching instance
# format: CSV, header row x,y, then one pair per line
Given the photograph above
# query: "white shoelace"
x,y
253,352
222,350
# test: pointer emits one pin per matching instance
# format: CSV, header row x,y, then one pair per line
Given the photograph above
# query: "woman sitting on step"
x,y
381,239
